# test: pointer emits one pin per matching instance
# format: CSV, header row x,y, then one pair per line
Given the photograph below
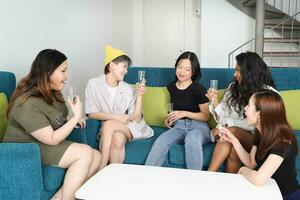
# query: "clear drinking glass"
x,y
213,85
213,88
170,107
141,76
222,124
71,93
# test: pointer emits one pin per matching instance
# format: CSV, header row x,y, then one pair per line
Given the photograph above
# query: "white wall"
x,y
78,28
186,33
223,28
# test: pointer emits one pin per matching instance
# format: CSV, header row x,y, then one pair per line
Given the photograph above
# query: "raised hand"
x,y
76,106
227,135
140,89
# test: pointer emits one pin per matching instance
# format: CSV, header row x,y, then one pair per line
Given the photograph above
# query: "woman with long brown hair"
x,y
275,146
38,114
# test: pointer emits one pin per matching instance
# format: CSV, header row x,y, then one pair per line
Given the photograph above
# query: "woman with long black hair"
x,y
251,75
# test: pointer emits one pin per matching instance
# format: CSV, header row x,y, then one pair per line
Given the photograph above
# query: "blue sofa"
x,y
137,151
23,177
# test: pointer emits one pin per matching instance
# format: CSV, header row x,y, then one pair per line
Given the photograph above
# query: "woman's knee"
x,y
197,137
118,140
85,152
109,125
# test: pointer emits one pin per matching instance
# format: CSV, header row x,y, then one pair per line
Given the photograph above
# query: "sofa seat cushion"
x,y
3,108
53,177
292,106
138,150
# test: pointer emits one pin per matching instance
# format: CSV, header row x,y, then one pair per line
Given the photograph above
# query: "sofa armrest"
x,y
20,171
92,128
78,135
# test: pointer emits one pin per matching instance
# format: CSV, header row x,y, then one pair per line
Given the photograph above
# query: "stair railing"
x,y
289,7
250,44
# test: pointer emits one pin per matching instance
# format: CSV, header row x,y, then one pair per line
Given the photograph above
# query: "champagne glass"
x,y
222,124
170,107
141,76
213,85
213,88
71,93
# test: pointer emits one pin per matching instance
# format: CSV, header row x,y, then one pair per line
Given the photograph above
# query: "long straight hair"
x,y
37,82
275,129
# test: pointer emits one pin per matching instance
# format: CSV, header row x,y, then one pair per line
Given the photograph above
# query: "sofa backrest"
x,y
287,78
7,83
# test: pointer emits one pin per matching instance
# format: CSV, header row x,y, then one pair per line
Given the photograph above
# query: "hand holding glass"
x,y
222,124
141,77
170,109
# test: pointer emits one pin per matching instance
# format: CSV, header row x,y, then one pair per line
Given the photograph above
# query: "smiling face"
x,y
58,77
118,70
184,70
251,113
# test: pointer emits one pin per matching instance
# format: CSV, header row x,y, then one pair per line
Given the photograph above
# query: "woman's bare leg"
x,y
117,148
78,159
246,139
95,166
233,162
109,128
220,154
223,149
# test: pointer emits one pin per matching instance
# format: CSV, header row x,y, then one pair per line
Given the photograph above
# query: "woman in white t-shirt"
x,y
251,75
110,99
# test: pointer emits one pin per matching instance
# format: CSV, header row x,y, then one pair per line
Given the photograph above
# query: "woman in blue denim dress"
x,y
188,121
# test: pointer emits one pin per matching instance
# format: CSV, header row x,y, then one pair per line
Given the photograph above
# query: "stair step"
x,y
285,27
249,3
271,14
282,40
281,54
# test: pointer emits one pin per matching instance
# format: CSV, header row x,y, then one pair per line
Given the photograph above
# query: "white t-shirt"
x,y
112,92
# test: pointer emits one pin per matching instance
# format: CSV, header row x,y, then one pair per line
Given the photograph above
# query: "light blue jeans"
x,y
194,134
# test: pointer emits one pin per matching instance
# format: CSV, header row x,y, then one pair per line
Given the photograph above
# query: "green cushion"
x,y
291,100
212,122
3,108
155,102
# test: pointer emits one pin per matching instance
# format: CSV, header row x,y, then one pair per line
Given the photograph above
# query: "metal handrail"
x,y
261,34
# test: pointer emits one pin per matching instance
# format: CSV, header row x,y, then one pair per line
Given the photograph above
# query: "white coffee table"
x,y
136,182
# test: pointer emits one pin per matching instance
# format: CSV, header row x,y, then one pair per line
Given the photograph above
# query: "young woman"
x,y
251,75
189,118
275,146
38,95
110,99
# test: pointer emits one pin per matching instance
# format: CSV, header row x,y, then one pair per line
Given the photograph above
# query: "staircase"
x,y
281,32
